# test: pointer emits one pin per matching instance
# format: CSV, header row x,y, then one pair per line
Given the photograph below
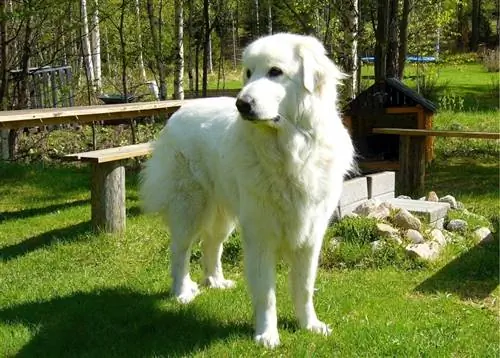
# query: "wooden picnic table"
x,y
85,114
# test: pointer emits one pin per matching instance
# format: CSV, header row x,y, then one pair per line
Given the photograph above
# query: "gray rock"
x,y
389,232
367,207
422,198
404,197
405,220
380,212
351,215
460,205
432,196
386,230
457,225
377,245
438,237
335,242
414,236
483,235
450,199
426,251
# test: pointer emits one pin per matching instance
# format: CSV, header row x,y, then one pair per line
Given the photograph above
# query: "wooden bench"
x,y
412,152
108,184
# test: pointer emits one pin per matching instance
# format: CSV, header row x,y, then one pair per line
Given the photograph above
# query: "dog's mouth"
x,y
255,119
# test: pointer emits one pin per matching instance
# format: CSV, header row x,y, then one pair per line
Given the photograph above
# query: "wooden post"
x,y
411,164
108,196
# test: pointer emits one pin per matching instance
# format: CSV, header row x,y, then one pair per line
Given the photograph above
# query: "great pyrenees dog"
x,y
271,161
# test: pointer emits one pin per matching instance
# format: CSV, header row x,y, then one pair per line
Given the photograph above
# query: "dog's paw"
x,y
269,339
187,293
319,327
213,282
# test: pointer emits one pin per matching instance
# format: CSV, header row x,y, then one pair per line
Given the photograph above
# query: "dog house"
x,y
386,104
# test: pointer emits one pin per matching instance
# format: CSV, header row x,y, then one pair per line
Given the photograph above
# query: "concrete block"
x,y
380,183
384,197
431,211
349,208
354,190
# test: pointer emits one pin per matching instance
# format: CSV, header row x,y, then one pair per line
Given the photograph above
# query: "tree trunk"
x,y
461,27
233,34
206,47
96,47
476,14
351,29
403,38
142,69
257,22
190,48
87,53
4,133
269,17
155,30
381,36
392,48
179,53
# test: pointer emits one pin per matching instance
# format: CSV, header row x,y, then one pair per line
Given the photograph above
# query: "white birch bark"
x,y
96,47
179,60
142,69
87,59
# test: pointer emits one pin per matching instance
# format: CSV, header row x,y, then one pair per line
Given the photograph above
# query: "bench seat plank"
x,y
112,154
436,133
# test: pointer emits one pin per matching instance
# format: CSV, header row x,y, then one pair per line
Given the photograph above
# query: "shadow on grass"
x,y
70,233
118,323
23,214
464,176
472,275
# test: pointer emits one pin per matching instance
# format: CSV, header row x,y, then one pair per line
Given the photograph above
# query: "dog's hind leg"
x,y
212,246
185,219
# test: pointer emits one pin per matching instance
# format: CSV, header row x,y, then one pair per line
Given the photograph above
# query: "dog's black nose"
x,y
244,105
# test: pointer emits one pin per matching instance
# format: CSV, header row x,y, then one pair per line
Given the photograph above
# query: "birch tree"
x,y
86,49
179,55
350,20
142,69
96,47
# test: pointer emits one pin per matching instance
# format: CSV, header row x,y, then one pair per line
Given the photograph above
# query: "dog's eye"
x,y
249,73
275,72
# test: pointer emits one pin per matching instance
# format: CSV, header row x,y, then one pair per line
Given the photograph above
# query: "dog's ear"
x,y
317,69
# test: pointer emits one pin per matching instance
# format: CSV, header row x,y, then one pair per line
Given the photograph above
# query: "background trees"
x,y
165,41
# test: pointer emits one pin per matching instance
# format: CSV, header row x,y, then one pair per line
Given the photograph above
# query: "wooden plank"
x,y
85,114
112,154
412,165
402,110
436,133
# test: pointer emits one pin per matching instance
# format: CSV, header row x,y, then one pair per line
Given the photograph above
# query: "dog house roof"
x,y
388,93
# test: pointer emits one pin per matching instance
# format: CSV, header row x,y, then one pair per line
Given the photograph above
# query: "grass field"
x,y
68,292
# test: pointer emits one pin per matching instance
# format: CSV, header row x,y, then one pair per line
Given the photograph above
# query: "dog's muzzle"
x,y
246,107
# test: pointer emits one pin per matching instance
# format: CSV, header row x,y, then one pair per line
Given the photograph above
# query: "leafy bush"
x,y
491,60
460,58
451,102
429,86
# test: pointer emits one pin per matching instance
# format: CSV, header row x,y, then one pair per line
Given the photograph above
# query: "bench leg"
x,y
108,197
411,165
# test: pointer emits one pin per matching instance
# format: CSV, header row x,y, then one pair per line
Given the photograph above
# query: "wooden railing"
x,y
412,152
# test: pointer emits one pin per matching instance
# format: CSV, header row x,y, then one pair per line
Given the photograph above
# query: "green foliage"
x,y
491,60
359,230
460,58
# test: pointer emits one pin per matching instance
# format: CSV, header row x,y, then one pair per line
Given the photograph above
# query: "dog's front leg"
x,y
260,269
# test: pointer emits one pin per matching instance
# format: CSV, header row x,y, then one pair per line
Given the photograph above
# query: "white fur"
x,y
278,176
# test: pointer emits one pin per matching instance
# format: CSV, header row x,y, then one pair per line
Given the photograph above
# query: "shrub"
x,y
355,229
491,60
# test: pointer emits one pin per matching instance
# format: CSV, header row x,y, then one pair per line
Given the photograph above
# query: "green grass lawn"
x,y
66,291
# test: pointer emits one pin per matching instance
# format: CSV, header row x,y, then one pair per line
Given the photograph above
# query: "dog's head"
x,y
280,73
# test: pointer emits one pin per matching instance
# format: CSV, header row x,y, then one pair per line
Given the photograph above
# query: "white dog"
x,y
271,161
